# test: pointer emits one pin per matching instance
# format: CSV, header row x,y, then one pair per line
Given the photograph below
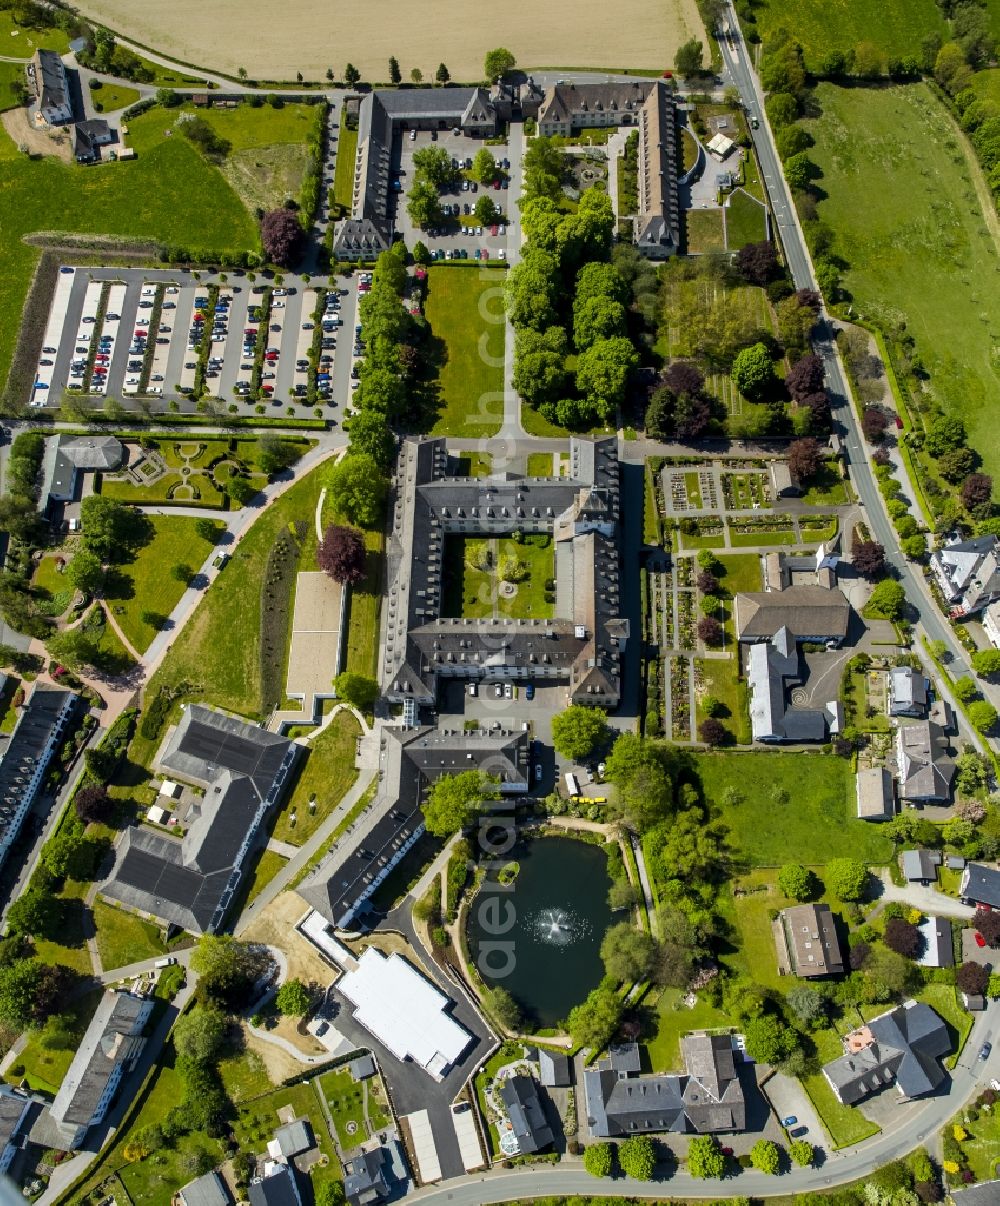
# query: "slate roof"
x,y
925,769
770,665
939,950
986,1193
981,884
294,1137
808,611
968,572
578,103
51,85
209,1190
16,1108
362,1067
903,1046
555,1070
364,1177
361,238
190,881
526,1113
278,1189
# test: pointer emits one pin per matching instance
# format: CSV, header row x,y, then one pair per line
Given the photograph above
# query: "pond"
x,y
551,953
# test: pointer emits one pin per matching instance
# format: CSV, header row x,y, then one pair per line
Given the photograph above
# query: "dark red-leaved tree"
x,y
712,731
54,982
693,415
881,456
805,376
809,298
873,424
710,630
972,978
683,377
342,554
988,924
804,458
93,804
869,558
757,263
859,955
282,237
977,494
708,584
819,406
903,937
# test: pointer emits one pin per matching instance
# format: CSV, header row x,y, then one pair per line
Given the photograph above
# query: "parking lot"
x,y
137,336
458,232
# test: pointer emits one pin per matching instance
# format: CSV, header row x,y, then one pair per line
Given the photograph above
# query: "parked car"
x,y
791,1120
529,691
984,1051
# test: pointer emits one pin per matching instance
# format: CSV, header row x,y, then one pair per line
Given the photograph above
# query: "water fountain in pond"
x,y
558,927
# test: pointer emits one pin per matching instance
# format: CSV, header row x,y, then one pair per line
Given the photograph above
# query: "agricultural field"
x,y
920,249
168,193
470,376
646,34
896,27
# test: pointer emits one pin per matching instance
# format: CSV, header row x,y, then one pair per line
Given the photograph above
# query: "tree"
x,y
395,75
986,662
944,434
356,487
35,914
764,1155
637,1157
416,75
540,364
422,204
792,140
976,494
112,530
888,600
709,630
240,489
442,75
972,978
868,557
799,172
621,895
293,999
342,554
371,436
956,465
965,687
274,455
797,881
356,689
181,573
873,424
603,370
802,1152
629,954
769,1040
503,1006
578,730
712,706
228,969
282,237
598,1159
351,75
753,371
983,715
805,376
712,732
846,878
705,1157
198,1034
903,937
454,801
485,210
808,1004
207,529
31,992
594,1021
85,571
498,63
689,58
93,804
987,923
804,459
74,648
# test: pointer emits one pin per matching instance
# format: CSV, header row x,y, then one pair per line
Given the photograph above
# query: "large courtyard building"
x,y
580,645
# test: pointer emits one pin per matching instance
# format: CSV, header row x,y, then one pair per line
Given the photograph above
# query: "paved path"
x,y
926,899
647,891
512,429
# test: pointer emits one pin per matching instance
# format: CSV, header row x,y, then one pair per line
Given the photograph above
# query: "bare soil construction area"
x,y
313,35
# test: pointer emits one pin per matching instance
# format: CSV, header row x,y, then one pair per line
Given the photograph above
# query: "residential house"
x,y
986,1193
903,1046
375,1174
968,573
209,1190
813,613
42,725
921,866
874,790
555,1070
277,1187
291,1140
923,764
90,137
109,1048
362,1068
939,950
980,885
707,1098
529,1125
807,941
909,692
18,1111
991,623
51,87
191,881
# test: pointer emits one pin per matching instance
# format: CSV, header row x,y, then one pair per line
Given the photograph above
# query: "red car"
x,y
980,940
267,389
668,75
496,184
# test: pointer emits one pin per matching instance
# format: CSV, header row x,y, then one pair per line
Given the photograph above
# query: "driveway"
x,y
926,899
790,1100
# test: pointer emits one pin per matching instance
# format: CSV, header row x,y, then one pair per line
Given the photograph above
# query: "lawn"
x,y
55,592
345,1100
921,223
109,98
465,313
44,1067
326,774
363,604
845,1124
244,1076
474,593
123,938
258,1119
19,40
167,194
705,230
536,424
474,464
673,1021
218,652
741,572
146,584
826,489
795,808
347,151
268,866
746,540
719,679
539,464
896,27
11,74
746,221
8,713
72,949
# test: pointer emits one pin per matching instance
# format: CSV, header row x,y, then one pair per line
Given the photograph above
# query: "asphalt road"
x,y
925,612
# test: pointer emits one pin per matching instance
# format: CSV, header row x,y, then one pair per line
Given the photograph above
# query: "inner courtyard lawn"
x,y
474,593
919,249
791,808
465,312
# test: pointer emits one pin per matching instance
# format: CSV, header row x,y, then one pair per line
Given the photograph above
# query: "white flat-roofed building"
x,y
405,1012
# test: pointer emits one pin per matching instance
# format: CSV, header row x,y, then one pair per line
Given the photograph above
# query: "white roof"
x,y
720,145
169,788
404,1011
158,815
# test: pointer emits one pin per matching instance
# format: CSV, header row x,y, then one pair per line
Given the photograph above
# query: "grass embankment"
x,y
327,773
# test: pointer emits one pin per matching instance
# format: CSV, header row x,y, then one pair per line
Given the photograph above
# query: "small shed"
x,y
169,788
554,1069
362,1067
158,815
